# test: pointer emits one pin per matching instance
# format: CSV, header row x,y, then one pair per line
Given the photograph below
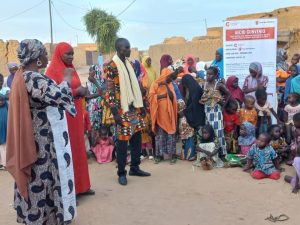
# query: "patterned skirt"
x,y
164,143
214,117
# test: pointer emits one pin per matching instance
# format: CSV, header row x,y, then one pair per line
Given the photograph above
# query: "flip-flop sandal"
x,y
279,218
173,161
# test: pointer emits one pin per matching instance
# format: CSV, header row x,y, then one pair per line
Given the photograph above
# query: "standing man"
x,y
12,67
126,103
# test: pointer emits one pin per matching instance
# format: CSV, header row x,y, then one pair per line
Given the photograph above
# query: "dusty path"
x,y
175,195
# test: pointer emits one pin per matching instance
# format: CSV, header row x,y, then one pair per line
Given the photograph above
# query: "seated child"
x,y
262,158
231,122
278,143
103,146
296,138
208,149
247,137
295,181
248,113
264,110
3,130
292,108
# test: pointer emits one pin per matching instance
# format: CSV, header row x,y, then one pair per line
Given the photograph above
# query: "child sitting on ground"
x,y
231,123
247,137
295,181
296,138
3,130
264,110
208,149
292,108
248,113
263,159
103,146
278,143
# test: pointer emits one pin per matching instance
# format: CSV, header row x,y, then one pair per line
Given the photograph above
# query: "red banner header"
x,y
250,34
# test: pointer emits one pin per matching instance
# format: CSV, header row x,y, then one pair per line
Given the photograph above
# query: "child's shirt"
x,y
263,159
230,121
278,144
248,116
296,165
266,108
291,111
210,147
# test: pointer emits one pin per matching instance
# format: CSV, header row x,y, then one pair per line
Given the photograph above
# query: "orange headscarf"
x,y
21,151
164,111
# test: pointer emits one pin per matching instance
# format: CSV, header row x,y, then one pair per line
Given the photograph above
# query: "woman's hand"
x,y
81,91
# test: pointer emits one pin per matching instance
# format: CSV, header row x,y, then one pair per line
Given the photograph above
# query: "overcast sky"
x,y
146,22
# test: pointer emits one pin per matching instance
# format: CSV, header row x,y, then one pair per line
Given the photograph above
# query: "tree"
x,y
103,28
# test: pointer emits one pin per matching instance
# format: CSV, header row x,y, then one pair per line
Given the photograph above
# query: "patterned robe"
x,y
46,203
113,98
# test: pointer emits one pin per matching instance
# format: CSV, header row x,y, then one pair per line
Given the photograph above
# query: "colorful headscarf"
x,y
186,66
281,63
219,64
250,136
164,61
149,73
236,93
257,67
29,50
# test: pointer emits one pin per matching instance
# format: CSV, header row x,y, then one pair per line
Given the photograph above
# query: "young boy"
x,y
263,158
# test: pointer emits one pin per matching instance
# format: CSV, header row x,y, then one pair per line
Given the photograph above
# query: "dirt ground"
x,y
175,195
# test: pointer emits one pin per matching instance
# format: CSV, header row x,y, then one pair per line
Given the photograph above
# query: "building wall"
x,y
204,49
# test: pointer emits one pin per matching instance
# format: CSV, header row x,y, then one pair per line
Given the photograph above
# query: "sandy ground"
x,y
175,195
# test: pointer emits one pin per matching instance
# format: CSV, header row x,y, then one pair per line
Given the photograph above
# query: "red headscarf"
x,y
236,93
56,68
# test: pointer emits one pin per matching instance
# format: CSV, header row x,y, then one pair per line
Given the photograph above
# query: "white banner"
x,y
247,41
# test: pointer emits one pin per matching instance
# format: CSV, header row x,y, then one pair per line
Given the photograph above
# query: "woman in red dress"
x,y
63,58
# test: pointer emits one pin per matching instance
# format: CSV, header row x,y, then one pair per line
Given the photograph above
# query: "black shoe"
x,y
139,173
89,192
123,180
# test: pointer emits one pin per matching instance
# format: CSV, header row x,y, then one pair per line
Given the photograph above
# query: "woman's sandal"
x,y
173,161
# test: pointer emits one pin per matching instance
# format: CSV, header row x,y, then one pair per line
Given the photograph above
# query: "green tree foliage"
x,y
103,28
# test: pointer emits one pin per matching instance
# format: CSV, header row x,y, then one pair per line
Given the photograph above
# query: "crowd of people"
x,y
128,112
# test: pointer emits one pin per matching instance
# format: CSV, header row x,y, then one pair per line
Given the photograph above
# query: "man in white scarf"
x,y
126,103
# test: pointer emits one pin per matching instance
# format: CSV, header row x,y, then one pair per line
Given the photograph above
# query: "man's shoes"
x,y
123,180
139,173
